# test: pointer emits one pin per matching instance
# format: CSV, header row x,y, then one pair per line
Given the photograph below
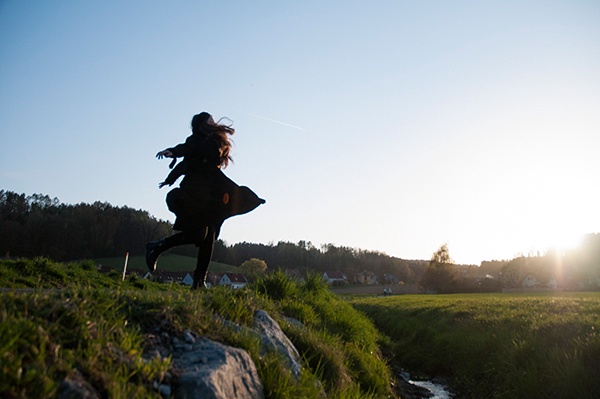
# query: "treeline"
x,y
37,225
304,256
575,269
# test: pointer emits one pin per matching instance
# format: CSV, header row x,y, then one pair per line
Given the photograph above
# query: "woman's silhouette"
x,y
205,197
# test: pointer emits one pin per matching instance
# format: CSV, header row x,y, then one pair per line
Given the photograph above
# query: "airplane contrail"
x,y
275,121
259,116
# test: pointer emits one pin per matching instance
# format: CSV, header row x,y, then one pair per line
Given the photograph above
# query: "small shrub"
x,y
300,311
277,286
314,284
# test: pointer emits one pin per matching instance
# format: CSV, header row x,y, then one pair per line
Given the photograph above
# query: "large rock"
x,y
273,339
206,369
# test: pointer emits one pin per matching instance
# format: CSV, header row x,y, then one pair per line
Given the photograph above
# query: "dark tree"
x,y
440,275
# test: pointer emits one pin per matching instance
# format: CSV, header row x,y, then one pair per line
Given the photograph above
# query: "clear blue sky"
x,y
383,125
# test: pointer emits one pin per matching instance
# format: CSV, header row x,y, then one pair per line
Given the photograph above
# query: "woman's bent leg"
x,y
155,248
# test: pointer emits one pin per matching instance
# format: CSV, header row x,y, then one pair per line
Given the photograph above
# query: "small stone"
x,y
164,391
189,337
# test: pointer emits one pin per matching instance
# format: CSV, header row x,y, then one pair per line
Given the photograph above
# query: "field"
x,y
496,345
173,263
376,289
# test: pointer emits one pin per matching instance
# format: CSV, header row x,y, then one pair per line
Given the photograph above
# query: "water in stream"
x,y
438,390
434,390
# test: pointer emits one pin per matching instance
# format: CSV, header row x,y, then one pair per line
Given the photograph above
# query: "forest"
x,y
37,225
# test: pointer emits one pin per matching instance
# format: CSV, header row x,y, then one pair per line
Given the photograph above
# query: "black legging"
x,y
204,239
205,253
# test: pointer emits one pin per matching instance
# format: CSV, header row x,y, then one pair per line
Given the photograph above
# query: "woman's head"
x,y
203,123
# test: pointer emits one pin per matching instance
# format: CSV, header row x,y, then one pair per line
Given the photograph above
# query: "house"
x,y
165,276
529,281
335,277
212,279
365,277
294,274
188,280
391,279
234,280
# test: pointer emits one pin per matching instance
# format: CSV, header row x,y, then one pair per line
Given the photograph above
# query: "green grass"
x,y
497,345
169,262
76,321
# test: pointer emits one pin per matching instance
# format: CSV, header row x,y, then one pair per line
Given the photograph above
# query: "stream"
x,y
418,389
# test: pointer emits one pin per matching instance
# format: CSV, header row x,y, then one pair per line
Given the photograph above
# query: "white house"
x,y
334,277
366,277
187,280
234,280
529,281
164,276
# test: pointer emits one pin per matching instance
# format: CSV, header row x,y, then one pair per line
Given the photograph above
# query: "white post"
x,y
125,266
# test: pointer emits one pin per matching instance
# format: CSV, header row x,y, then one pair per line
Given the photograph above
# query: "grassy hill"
x,y
169,262
68,321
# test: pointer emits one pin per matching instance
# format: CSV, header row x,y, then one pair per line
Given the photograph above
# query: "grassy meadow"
x,y
168,262
543,345
62,321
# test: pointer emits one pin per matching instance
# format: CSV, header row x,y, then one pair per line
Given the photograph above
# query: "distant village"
x,y
239,280
391,284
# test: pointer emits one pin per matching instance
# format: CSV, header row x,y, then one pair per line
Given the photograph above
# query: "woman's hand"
x,y
165,153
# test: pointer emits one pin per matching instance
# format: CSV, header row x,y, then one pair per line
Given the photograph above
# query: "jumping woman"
x,y
205,197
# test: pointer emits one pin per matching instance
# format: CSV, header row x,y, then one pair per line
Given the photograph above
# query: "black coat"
x,y
205,196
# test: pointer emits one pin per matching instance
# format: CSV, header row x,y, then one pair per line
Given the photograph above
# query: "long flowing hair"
x,y
204,124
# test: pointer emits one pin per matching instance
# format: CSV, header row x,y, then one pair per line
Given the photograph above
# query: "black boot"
x,y
153,251
200,273
155,248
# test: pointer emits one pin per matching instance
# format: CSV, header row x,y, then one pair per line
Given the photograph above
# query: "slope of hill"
x,y
95,330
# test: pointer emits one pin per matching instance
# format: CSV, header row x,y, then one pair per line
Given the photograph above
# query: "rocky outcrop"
x,y
209,370
273,339
202,368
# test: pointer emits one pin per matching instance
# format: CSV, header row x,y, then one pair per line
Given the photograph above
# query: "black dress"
x,y
205,197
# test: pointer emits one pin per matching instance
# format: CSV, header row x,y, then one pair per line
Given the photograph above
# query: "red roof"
x,y
236,277
335,275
